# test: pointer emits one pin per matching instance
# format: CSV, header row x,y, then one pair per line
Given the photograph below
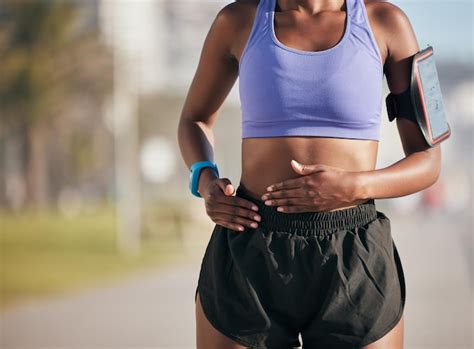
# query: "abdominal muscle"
x,y
266,160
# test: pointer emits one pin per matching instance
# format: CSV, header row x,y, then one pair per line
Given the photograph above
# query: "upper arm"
x,y
216,72
402,45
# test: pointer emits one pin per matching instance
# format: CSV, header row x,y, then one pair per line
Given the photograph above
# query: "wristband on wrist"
x,y
196,169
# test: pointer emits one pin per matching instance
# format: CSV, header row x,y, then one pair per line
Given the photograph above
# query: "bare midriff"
x,y
266,161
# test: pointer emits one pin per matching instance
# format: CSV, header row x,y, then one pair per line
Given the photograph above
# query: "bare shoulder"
x,y
401,44
394,29
390,18
234,22
238,13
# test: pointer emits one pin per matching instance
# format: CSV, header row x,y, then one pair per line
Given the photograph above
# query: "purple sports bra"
x,y
331,93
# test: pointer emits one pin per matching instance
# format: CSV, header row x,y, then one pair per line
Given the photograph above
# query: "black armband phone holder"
x,y
422,101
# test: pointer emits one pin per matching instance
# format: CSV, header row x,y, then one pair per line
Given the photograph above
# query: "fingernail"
x,y
264,197
241,228
268,202
269,188
253,225
257,218
255,208
280,209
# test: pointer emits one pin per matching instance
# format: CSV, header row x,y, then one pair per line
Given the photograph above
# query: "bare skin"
x,y
340,171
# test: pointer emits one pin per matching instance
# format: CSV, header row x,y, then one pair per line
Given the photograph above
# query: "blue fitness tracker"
x,y
196,171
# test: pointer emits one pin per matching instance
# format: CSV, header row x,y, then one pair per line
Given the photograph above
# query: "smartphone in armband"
x,y
422,102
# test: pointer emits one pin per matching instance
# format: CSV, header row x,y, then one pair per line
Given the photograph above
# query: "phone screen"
x,y
432,97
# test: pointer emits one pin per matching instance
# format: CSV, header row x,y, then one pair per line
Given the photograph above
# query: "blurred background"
x,y
101,240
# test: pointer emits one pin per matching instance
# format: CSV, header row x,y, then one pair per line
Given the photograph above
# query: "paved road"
x,y
156,309
151,310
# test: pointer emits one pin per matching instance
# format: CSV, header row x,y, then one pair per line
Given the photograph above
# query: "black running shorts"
x,y
335,277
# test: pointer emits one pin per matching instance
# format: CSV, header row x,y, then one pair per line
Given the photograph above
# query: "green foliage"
x,y
47,61
47,253
55,76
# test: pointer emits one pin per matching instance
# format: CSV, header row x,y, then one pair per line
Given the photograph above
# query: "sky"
x,y
446,25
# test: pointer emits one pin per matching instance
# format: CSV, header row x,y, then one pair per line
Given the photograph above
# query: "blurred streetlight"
x,y
125,130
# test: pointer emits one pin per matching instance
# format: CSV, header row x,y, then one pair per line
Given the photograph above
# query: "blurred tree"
x,y
49,64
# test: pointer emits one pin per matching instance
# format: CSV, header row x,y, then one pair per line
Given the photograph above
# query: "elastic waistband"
x,y
311,223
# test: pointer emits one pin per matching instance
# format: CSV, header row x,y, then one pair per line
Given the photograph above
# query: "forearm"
x,y
196,143
412,174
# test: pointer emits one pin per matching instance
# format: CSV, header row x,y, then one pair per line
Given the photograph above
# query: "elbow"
x,y
180,132
434,164
185,132
435,174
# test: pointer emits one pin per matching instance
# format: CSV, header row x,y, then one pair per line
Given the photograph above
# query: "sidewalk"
x,y
150,310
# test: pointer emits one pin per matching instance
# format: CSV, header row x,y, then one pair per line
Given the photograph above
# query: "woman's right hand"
x,y
222,206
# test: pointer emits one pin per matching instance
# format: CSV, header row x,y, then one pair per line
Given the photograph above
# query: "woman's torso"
x,y
266,160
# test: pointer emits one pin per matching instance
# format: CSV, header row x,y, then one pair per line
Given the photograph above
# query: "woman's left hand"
x,y
320,188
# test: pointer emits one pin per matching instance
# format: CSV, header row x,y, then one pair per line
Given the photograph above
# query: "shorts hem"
x,y
372,339
221,330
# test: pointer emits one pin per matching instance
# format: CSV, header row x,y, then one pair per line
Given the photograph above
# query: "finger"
x,y
229,225
288,184
235,211
305,169
303,201
237,201
226,186
236,220
285,193
297,209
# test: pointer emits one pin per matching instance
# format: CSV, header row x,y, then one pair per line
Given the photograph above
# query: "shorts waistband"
x,y
311,223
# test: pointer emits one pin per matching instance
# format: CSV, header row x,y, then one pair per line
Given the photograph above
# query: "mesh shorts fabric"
x,y
335,277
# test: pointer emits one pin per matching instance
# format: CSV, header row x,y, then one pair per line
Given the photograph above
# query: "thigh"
x,y
392,340
208,337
